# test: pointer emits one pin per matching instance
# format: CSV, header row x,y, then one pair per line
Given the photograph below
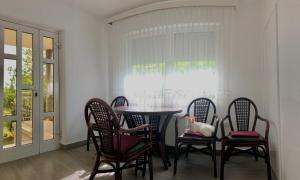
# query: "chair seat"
x,y
126,143
191,137
250,134
245,139
136,151
130,146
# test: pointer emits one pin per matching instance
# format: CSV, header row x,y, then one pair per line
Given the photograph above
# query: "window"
x,y
168,70
169,57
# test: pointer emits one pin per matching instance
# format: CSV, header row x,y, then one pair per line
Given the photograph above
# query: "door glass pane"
x,y
26,116
48,48
48,86
27,58
10,41
48,128
9,134
9,93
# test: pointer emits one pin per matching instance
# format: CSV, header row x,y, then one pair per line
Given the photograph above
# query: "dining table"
x,y
164,112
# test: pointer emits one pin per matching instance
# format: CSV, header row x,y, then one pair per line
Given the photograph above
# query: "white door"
x,y
28,125
49,99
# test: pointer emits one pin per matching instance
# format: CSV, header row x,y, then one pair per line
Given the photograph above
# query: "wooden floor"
x,y
77,163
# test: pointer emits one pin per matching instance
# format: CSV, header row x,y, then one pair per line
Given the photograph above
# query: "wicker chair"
x,y
241,111
116,146
118,101
201,108
135,120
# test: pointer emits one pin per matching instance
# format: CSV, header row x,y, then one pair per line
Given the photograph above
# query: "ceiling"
x,y
108,8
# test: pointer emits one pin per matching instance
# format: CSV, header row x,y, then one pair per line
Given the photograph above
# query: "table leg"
x,y
164,155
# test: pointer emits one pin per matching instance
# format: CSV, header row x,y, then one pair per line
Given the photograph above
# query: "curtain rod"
x,y
171,4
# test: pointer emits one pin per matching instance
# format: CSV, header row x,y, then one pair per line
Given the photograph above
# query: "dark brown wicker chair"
x,y
201,108
116,145
136,120
242,111
118,101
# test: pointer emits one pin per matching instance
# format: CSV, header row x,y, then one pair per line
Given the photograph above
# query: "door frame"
x,y
38,147
20,150
52,144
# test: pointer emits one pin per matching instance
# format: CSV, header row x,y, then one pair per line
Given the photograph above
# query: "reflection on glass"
x,y
27,58
10,41
48,123
26,116
9,93
48,86
9,134
48,48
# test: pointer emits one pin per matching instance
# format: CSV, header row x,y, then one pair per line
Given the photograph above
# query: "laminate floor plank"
x,y
77,163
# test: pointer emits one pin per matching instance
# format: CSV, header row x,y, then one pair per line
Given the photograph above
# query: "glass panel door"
x,y
19,79
29,121
49,92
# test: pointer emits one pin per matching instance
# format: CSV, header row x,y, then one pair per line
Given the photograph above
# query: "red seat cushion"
x,y
126,143
250,134
192,133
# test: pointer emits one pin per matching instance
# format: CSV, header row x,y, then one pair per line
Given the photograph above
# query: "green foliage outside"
x,y
149,68
9,104
180,66
183,66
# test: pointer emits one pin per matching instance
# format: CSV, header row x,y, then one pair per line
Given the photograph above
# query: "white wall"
x,y
246,69
270,86
289,63
283,111
83,70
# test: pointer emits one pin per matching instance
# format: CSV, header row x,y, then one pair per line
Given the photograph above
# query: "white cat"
x,y
203,128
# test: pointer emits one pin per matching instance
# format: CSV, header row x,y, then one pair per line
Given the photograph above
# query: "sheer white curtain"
x,y
169,57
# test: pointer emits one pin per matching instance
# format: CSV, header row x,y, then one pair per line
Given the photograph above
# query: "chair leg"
x,y
228,153
95,169
267,156
214,155
136,167
254,149
118,175
175,158
188,147
150,166
211,151
222,162
144,165
160,148
88,140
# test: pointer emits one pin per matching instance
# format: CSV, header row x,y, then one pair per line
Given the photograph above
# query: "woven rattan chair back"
x,y
106,123
242,113
200,109
119,101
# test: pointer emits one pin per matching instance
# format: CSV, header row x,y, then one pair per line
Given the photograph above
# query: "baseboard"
x,y
73,145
